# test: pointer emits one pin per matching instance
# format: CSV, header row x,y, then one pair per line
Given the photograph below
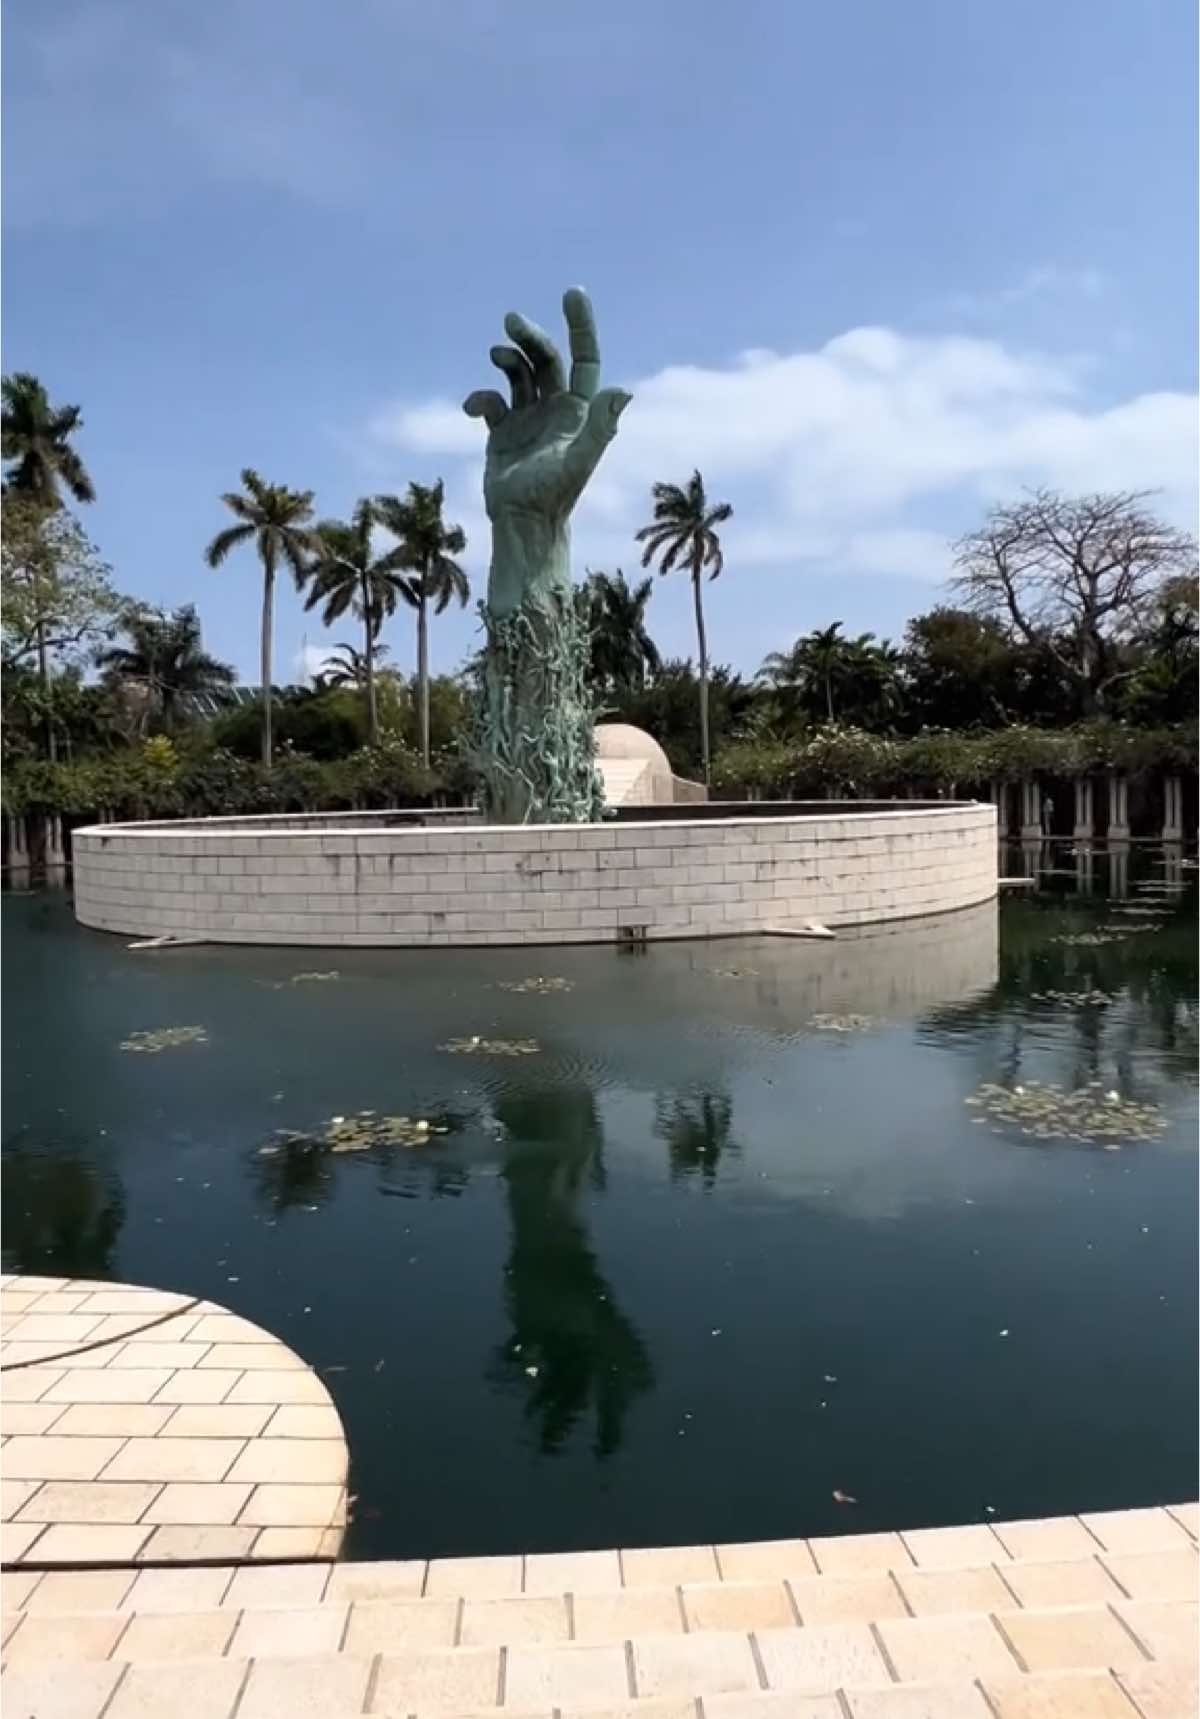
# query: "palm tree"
x,y
347,669
166,663
35,440
683,533
36,437
277,518
622,650
347,576
816,663
427,547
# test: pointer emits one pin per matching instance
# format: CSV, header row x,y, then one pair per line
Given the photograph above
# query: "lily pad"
x,y
841,1023
538,985
360,1133
1075,999
477,1046
164,1038
1087,1113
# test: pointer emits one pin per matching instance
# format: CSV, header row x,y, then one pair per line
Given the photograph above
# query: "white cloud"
x,y
864,456
1047,281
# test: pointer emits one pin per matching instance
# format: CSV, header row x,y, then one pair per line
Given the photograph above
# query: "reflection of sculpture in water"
x,y
697,1130
61,1214
533,747
572,1347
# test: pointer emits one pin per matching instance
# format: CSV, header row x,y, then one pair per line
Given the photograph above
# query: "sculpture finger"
x,y
585,346
485,403
541,352
519,373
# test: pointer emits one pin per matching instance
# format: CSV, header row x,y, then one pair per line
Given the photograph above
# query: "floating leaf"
x,y
360,1133
537,985
1087,1114
841,1023
164,1038
1075,999
491,1047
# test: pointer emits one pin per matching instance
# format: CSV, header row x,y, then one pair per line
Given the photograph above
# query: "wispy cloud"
x,y
1045,282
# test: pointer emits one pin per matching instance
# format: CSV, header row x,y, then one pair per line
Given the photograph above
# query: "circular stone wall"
x,y
354,879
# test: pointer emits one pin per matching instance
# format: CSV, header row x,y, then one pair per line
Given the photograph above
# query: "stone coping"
x,y
142,1426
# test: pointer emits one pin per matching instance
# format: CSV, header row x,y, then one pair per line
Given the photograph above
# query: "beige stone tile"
x,y
1168,1628
47,1457
954,1548
292,1506
15,1493
670,1708
1188,1517
186,1544
15,1589
18,1355
760,1560
1045,1538
262,1357
200,1688
108,1385
1155,1575
559,1676
1059,1695
277,1585
63,1329
64,1635
383,1626
58,1689
90,1543
381,1581
571,1572
303,1420
821,1657
17,1539
931,1593
256,1386
946,1648
474,1578
737,1606
215,1420
847,1599
307,1461
1136,1530
194,1504
694,1664
854,1554
1163,1691
227,1328
957,1700
283,1632
297,1543
316,1687
141,1352
1068,1638
28,1417
111,1420
192,1386
30,1384
1059,1582
765,1705
90,1501
81,1591
668,1566
177,1634
435,1680
147,1303
501,1623
182,1590
618,1615
175,1459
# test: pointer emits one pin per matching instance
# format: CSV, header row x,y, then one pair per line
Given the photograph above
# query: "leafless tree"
x,y
1078,576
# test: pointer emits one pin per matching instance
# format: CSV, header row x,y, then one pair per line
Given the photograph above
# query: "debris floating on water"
x,y
164,1038
841,1023
538,985
358,1133
1089,1114
477,1046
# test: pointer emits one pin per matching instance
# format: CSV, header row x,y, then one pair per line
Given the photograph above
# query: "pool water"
x,y
728,1240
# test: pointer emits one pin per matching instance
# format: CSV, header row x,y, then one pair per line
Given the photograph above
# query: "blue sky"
x,y
869,266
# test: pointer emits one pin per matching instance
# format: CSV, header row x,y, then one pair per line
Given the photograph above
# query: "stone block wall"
x,y
237,881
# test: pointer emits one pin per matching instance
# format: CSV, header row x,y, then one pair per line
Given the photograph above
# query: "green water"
x,y
693,1265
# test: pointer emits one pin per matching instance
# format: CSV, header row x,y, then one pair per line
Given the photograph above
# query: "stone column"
x,y
1173,864
998,795
1085,872
1172,830
1118,870
1118,809
1031,812
18,850
1031,855
1085,824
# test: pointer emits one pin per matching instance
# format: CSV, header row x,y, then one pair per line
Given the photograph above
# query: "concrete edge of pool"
x,y
1076,1615
300,881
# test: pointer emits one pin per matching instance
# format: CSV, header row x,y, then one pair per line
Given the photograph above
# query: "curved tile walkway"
x,y
141,1426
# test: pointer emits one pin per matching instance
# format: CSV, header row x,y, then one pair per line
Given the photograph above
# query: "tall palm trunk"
x,y
268,617
369,665
702,651
423,671
829,695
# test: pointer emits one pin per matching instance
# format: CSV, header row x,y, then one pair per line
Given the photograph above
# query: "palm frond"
x,y
226,540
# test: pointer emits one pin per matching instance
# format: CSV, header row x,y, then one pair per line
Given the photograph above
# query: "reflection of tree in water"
x,y
697,1131
296,1173
566,1325
61,1214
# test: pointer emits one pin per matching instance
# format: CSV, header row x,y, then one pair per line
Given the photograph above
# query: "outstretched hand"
x,y
543,448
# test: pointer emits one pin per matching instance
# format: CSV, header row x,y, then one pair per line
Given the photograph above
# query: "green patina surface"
x,y
533,746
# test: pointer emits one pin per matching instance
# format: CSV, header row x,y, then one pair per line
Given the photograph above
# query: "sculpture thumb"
x,y
598,431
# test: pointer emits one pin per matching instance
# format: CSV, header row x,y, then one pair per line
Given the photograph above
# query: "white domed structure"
x,y
636,770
